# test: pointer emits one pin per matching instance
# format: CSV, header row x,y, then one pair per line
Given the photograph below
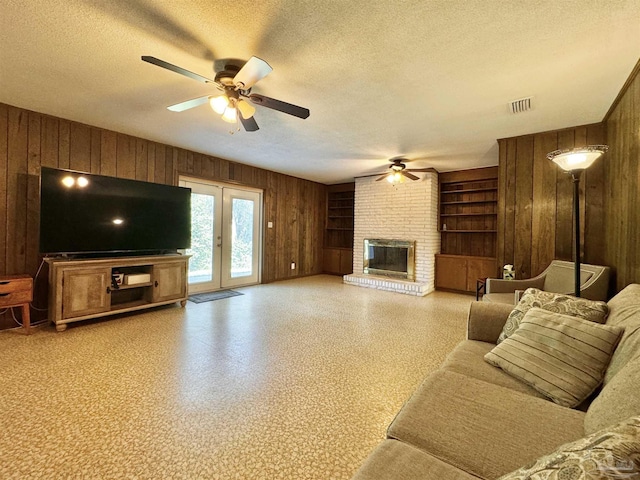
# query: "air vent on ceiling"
x,y
521,105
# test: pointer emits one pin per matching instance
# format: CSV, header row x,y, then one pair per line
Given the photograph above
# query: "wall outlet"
x,y
269,224
293,265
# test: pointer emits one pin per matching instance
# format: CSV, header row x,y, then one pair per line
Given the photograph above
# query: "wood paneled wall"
x,y
535,201
29,140
622,175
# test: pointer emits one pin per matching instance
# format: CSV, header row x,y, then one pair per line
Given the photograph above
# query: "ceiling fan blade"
x,y
279,105
254,70
195,102
249,124
428,169
174,68
382,177
409,175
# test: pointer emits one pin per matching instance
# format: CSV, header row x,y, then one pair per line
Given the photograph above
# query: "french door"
x,y
225,236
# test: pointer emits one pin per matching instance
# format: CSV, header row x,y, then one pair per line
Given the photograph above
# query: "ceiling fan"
x,y
398,171
234,85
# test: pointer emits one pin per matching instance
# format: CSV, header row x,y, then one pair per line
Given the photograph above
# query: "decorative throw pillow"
x,y
554,302
612,453
562,357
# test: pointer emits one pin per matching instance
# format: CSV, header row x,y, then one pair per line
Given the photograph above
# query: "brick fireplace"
x,y
405,212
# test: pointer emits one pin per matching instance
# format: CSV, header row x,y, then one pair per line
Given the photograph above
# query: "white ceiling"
x,y
428,79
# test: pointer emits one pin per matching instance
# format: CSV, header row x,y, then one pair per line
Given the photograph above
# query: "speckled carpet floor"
x,y
292,380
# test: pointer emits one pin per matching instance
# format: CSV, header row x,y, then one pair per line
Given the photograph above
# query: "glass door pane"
x,y
241,237
201,263
206,236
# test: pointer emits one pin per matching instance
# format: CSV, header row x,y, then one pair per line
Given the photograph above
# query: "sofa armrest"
x,y
498,285
486,320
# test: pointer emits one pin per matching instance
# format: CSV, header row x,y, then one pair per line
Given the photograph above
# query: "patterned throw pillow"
x,y
553,302
612,453
562,357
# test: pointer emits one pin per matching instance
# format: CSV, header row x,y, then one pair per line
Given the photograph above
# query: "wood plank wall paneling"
x,y
535,202
30,140
523,207
622,175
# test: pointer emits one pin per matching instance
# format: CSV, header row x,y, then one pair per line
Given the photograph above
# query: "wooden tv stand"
x,y
81,289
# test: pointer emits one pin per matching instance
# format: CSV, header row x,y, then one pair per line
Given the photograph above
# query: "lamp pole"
x,y
575,176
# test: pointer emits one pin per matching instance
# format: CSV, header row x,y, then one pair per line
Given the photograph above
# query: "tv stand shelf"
x,y
82,289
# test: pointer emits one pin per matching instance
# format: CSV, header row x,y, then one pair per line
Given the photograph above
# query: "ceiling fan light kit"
x,y
398,172
234,85
395,177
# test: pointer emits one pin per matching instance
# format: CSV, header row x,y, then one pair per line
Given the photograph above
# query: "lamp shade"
x,y
247,110
219,103
577,158
230,115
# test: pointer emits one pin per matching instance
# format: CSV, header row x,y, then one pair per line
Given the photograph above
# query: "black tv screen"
x,y
82,213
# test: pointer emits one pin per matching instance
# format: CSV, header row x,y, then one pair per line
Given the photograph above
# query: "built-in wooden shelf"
x,y
470,190
468,213
468,231
467,202
338,231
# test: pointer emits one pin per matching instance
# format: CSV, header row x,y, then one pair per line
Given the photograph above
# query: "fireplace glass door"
x,y
391,258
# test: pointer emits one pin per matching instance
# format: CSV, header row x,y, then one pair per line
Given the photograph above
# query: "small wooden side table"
x,y
17,291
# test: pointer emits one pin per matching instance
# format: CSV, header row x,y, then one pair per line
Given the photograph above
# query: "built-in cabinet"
x,y
468,217
338,235
88,288
461,273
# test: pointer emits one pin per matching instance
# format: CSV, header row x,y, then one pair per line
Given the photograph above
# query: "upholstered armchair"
x,y
558,277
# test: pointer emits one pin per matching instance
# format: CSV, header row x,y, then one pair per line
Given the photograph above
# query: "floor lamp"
x,y
574,161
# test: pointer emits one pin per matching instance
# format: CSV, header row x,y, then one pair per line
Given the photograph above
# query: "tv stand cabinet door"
x,y
84,292
169,281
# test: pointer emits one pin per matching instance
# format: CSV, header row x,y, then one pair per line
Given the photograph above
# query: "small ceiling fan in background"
x,y
234,85
398,171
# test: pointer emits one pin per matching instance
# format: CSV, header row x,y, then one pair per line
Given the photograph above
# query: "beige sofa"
x,y
471,420
558,277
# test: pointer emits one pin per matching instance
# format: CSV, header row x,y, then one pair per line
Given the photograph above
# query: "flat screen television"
x,y
84,214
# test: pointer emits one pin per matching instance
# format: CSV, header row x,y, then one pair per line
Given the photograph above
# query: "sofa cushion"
x,y
619,399
394,460
624,311
562,357
610,453
484,429
467,358
553,302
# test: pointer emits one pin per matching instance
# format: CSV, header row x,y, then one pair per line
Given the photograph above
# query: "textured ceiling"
x,y
430,80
